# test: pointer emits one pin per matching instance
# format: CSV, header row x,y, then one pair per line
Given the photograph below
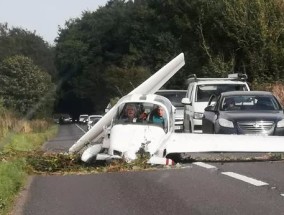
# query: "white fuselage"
x,y
129,138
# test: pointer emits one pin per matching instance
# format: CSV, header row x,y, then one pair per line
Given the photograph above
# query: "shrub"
x,y
276,88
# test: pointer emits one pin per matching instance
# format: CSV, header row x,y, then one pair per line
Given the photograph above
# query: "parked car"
x,y
62,118
175,96
65,119
244,112
83,118
198,94
92,120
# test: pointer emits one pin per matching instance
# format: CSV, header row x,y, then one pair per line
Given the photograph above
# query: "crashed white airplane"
x,y
122,139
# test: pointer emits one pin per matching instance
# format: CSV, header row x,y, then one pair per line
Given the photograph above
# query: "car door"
x,y
210,115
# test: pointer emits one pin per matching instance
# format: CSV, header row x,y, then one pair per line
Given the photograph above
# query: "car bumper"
x,y
179,125
197,125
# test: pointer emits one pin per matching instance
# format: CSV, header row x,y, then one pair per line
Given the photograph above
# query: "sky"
x,y
44,16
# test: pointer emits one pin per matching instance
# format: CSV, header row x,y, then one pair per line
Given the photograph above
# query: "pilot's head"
x,y
130,110
160,111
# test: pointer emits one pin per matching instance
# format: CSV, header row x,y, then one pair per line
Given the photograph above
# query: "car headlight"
x,y
226,123
280,124
197,115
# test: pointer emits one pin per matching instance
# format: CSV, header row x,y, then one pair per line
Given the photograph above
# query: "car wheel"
x,y
189,128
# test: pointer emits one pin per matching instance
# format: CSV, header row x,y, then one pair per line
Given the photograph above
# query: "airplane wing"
x,y
189,142
151,85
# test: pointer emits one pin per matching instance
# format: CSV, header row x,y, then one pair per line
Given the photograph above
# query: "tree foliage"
x,y
25,88
27,66
103,53
17,41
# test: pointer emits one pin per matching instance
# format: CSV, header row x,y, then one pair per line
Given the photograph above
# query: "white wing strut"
x,y
151,85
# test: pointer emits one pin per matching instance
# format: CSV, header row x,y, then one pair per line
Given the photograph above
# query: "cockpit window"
x,y
142,113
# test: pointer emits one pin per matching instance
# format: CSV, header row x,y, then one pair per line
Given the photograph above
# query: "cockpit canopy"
x,y
145,109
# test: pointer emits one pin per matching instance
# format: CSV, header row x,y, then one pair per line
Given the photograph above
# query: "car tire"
x,y
189,128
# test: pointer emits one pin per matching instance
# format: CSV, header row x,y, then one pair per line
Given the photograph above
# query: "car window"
x,y
174,97
203,92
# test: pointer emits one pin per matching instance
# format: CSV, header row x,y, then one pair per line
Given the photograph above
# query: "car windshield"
x,y
96,120
93,118
175,97
249,102
206,90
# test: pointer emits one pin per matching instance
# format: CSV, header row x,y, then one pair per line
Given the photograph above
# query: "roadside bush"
x,y
25,88
7,122
276,88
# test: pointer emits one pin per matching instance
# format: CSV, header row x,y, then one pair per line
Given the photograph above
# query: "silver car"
x,y
93,119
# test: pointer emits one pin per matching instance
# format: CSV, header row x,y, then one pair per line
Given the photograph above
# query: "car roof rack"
x,y
231,77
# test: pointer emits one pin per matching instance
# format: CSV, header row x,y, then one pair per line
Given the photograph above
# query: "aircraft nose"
x,y
129,156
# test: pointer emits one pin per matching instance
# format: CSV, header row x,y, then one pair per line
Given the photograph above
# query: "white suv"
x,y
198,94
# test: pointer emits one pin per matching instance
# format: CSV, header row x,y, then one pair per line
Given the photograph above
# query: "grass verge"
x,y
13,163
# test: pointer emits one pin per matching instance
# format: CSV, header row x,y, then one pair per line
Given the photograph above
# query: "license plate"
x,y
177,127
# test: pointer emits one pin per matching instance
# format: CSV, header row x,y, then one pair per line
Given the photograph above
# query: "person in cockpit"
x,y
131,113
157,116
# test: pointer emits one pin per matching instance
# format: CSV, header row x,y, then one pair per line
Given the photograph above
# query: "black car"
x,y
244,112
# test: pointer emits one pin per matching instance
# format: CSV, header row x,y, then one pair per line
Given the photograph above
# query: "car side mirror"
x,y
185,101
210,108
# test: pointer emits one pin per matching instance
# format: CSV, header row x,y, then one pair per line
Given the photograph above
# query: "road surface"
x,y
194,188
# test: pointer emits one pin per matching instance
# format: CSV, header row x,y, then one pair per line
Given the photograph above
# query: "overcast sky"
x,y
44,16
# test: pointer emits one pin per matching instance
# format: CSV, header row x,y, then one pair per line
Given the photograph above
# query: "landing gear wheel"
x,y
176,157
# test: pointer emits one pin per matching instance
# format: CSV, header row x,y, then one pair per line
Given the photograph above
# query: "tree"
x,y
25,88
17,41
124,37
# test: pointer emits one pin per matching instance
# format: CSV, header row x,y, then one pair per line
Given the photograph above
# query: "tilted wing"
x,y
151,85
187,142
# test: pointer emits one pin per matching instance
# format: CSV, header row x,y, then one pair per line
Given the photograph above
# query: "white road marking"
x,y
207,166
80,128
245,179
282,194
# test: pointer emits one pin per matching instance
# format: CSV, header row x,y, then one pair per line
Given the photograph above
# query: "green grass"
x,y
13,165
15,142
12,178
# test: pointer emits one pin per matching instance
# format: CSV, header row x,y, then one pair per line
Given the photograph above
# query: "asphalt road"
x,y
196,188
68,134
